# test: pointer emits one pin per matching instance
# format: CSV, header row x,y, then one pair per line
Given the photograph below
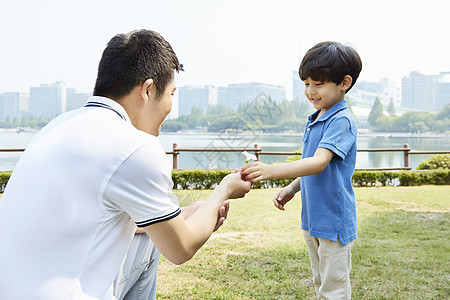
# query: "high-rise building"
x,y
76,100
443,91
419,91
298,87
48,101
196,96
384,89
235,94
13,105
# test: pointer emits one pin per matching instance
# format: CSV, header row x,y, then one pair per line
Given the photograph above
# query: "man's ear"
x,y
147,89
347,82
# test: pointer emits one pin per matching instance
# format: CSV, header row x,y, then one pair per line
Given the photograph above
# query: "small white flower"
x,y
249,156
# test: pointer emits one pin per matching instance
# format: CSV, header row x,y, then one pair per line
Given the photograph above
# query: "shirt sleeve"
x,y
339,137
142,187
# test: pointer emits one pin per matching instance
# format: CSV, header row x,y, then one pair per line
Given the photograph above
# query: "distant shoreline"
x,y
18,130
290,134
361,133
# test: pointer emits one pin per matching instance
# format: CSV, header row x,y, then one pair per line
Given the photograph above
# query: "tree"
x,y
386,124
349,104
376,112
303,109
444,113
196,111
173,126
391,108
25,121
16,121
219,109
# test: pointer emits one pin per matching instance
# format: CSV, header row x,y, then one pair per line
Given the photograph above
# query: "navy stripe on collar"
x,y
103,105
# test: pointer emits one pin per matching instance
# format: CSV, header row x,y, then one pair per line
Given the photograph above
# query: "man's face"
x,y
163,103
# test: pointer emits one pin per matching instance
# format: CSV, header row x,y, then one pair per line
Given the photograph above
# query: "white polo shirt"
x,y
71,206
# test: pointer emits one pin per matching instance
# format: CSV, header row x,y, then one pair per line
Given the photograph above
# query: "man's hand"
x,y
223,214
187,211
233,186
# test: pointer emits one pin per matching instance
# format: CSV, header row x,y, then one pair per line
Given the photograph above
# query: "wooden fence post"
x,y
257,150
406,155
175,156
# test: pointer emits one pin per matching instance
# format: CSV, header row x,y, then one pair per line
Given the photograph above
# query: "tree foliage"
x,y
376,112
24,122
415,122
391,108
260,115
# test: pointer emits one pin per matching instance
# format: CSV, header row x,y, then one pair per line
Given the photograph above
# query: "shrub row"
x,y
4,177
401,178
196,179
208,179
437,161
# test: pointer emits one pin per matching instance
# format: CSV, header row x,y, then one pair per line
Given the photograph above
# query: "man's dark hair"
x,y
130,59
330,61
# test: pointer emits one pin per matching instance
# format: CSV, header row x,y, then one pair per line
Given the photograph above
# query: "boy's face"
x,y
323,95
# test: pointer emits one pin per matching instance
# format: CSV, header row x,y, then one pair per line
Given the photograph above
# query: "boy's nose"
x,y
310,90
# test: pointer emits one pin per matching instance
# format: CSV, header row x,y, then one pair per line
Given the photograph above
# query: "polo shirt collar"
x,y
334,109
103,102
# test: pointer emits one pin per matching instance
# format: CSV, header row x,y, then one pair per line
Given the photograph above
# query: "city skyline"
x,y
422,92
219,42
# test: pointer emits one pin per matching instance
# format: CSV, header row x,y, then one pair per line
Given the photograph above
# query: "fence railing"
x,y
258,152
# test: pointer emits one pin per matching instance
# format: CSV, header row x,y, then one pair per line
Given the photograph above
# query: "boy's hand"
x,y
256,171
282,197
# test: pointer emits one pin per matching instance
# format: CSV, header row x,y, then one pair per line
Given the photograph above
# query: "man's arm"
x,y
178,239
188,210
258,171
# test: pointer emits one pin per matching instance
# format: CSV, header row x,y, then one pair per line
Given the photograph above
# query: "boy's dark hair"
x,y
132,58
330,61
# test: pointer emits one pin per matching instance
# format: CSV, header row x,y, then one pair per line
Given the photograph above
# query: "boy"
x,y
329,70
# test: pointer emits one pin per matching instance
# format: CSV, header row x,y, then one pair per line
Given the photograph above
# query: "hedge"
x,y
437,161
4,177
208,179
199,179
401,178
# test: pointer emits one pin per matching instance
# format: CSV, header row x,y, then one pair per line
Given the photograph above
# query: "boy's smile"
x,y
323,95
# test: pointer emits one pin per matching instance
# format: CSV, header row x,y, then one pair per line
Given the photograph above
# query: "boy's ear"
x,y
347,82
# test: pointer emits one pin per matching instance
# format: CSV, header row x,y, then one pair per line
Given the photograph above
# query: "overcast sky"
x,y
220,42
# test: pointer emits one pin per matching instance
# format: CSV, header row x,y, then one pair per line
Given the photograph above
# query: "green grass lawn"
x,y
402,251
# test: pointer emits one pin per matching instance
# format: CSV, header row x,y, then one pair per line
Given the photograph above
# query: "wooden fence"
x,y
258,152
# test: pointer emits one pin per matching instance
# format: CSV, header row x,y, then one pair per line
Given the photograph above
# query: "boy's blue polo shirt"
x,y
328,200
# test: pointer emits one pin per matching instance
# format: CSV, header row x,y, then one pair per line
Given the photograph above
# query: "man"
x,y
70,209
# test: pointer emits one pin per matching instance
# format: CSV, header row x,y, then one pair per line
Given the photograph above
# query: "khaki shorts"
x,y
331,265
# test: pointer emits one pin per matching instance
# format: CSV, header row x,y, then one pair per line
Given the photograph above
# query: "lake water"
x,y
213,160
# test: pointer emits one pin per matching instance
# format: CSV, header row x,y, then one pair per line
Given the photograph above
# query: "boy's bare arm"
x,y
258,171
